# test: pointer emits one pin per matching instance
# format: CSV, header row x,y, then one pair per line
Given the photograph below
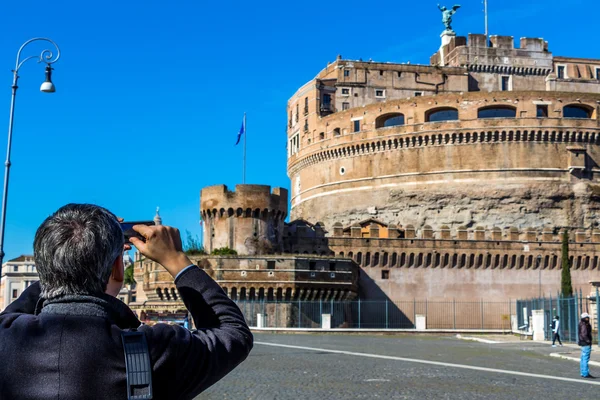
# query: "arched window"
x,y
497,112
577,111
441,114
336,132
387,120
321,135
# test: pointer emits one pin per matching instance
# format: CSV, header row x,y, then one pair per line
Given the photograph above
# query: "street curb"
x,y
474,339
564,357
367,330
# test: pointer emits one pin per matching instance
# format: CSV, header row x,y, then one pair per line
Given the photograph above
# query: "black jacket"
x,y
71,348
585,333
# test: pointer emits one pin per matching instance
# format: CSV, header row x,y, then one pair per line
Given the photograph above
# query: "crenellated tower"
x,y
249,220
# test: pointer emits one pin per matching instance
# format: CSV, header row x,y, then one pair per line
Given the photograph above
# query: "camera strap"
x,y
137,365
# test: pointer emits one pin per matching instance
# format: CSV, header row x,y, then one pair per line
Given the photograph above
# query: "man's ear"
x,y
117,275
118,270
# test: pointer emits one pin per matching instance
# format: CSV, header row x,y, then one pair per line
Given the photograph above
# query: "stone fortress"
x,y
441,181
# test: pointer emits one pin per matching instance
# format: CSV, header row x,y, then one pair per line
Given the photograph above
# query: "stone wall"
x,y
523,171
249,220
466,264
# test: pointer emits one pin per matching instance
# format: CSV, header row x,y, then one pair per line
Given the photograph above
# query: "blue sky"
x,y
150,94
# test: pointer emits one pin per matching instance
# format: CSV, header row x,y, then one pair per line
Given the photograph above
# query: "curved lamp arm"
x,y
46,55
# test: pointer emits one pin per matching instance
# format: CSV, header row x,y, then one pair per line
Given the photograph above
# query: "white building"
x,y
17,275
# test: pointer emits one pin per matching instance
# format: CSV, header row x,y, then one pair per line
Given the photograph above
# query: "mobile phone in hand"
x,y
128,231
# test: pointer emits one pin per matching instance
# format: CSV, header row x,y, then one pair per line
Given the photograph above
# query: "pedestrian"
x,y
68,336
556,331
585,341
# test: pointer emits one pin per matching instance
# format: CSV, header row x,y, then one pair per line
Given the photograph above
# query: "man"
x,y
63,337
555,331
585,341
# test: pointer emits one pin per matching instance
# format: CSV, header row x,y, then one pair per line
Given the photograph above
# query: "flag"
x,y
242,131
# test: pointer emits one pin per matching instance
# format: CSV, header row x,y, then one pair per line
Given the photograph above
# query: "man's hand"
x,y
163,245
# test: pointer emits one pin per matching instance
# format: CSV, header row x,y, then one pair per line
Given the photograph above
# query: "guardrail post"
x,y
299,312
454,311
481,313
598,314
359,313
415,313
386,314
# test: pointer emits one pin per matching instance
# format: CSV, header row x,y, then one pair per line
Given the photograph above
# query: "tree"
x,y
128,276
193,246
566,286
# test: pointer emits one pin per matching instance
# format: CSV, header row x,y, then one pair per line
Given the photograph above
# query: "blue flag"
x,y
242,131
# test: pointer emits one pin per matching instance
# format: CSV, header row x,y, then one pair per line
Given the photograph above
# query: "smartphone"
x,y
128,231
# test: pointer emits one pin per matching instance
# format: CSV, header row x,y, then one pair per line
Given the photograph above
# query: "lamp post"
x,y
539,264
47,57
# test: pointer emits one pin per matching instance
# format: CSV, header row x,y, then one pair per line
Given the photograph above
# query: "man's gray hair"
x,y
75,249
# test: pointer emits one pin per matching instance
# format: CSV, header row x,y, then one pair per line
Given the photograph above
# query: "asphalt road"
x,y
284,373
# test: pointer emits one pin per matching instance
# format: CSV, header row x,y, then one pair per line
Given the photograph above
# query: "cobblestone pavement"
x,y
287,373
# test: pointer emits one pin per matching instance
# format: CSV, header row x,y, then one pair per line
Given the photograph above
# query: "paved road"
x,y
284,373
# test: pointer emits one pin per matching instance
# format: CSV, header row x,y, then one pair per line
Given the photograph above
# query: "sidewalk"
x,y
572,352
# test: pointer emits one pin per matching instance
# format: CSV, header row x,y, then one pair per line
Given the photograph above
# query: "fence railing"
x,y
568,309
357,314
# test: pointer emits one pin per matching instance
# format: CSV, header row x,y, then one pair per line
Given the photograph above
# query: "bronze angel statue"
x,y
447,15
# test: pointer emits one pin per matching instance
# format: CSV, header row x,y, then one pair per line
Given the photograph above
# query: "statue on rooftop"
x,y
447,16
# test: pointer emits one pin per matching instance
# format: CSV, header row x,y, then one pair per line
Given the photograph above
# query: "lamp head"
x,y
48,86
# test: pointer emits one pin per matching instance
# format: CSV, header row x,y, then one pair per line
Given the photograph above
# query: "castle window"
x,y
345,92
385,274
270,264
381,73
326,104
561,72
16,268
577,111
336,132
387,120
332,266
345,106
15,293
356,126
322,136
312,265
305,105
380,93
346,73
497,112
598,73
542,111
418,94
441,114
505,83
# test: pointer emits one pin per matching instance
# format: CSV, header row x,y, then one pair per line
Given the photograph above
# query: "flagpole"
x,y
485,2
244,167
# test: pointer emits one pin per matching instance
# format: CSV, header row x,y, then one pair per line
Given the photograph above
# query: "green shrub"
x,y
224,251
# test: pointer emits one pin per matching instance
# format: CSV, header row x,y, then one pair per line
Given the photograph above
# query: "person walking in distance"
x,y
556,331
585,341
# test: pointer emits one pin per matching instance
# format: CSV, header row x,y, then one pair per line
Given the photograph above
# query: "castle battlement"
x,y
375,229
248,220
246,201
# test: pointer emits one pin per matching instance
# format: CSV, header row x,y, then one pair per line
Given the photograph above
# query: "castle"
x,y
448,180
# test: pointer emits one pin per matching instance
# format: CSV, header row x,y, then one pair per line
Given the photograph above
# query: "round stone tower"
x,y
249,220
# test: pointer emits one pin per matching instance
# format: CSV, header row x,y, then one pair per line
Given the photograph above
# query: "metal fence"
x,y
568,309
359,314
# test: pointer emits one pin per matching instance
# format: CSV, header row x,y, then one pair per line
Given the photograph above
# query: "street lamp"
x,y
46,56
539,263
